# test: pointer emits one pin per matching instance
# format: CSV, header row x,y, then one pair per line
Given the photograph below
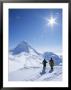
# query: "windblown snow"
x,y
25,64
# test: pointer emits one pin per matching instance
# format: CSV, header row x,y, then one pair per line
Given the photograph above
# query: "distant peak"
x,y
24,42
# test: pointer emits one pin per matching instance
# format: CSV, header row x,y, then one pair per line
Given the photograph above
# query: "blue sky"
x,y
31,25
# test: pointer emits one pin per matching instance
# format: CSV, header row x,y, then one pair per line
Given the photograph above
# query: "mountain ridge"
x,y
26,48
23,47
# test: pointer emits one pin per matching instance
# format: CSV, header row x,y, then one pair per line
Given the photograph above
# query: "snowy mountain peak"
x,y
23,47
23,43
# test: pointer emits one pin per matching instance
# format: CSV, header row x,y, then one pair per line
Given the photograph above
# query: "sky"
x,y
40,28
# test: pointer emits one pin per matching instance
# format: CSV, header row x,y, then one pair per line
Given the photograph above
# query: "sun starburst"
x,y
51,21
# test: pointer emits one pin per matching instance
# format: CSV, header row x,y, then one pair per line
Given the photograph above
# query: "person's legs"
x,y
44,68
52,68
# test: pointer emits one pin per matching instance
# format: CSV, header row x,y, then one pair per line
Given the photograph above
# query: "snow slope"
x,y
33,74
24,60
25,64
27,67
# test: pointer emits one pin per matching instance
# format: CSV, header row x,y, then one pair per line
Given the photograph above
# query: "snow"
x,y
27,67
24,60
55,75
33,74
32,51
25,64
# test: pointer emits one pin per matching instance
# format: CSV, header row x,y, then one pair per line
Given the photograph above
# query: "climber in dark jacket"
x,y
44,65
51,63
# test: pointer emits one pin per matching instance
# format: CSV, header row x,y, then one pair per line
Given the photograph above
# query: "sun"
x,y
51,21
